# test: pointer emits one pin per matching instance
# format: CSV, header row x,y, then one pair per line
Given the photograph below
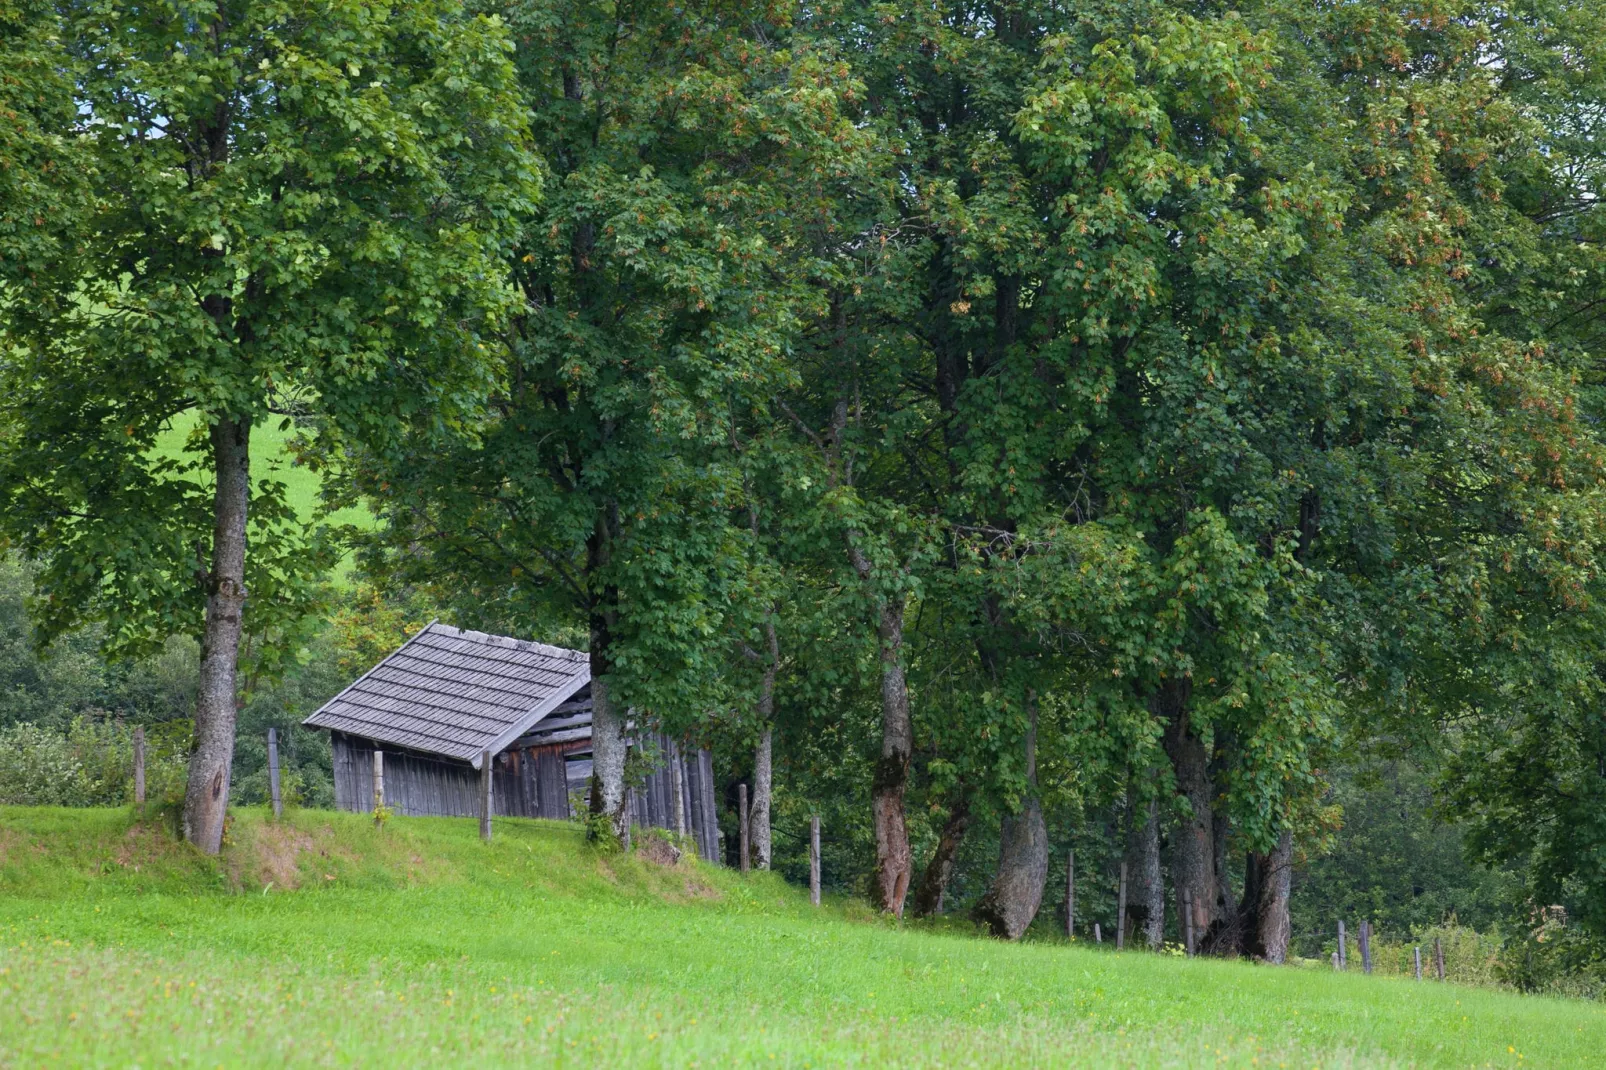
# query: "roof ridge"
x,y
493,639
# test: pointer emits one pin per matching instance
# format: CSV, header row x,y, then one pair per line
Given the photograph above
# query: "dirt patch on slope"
x,y
278,850
658,851
141,845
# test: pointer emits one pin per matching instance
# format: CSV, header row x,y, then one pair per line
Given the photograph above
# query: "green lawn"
x,y
323,940
271,459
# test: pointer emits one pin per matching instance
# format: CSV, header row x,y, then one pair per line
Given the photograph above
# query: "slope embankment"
x,y
321,939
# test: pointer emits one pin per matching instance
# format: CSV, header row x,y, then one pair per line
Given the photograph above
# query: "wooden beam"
x,y
273,772
741,821
1120,912
1070,894
139,767
814,859
485,796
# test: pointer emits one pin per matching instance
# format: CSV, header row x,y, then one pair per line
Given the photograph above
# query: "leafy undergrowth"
x,y
321,939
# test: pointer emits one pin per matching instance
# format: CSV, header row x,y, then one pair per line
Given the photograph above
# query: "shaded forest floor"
x,y
320,939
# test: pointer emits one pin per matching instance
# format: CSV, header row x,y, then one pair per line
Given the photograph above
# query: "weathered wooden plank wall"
x,y
551,781
704,816
531,781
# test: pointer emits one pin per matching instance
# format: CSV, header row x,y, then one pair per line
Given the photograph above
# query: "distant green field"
x,y
270,459
322,940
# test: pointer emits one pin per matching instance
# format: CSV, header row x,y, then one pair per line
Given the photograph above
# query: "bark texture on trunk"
x,y
1012,901
1194,853
940,870
1249,906
677,789
1146,911
894,860
608,753
608,747
763,769
206,794
1232,934
759,814
1273,928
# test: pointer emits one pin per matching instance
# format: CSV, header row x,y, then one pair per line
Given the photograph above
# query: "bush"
x,y
90,764
1554,958
1557,958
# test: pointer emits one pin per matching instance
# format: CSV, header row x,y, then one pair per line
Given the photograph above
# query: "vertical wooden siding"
x,y
531,782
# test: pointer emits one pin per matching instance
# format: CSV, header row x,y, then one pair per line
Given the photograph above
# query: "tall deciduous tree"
x,y
1512,676
292,210
1185,297
692,150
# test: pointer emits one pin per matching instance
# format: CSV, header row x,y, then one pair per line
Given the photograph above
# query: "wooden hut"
x,y
446,696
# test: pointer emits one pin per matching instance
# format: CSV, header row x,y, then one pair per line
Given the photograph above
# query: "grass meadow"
x,y
321,940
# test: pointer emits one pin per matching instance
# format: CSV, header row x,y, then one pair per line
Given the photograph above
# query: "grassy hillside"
x,y
323,940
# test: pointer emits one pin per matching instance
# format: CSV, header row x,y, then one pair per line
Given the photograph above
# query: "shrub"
x,y
90,764
1557,958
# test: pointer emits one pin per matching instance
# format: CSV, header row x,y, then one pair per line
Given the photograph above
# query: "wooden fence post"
x,y
1366,947
629,806
741,821
485,795
1438,957
1416,953
1070,894
1343,958
1098,936
814,859
139,766
273,773
1120,911
379,779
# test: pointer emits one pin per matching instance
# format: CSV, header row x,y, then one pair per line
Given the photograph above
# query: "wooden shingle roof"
x,y
456,693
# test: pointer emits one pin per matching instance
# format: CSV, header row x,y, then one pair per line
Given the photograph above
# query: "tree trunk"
x,y
206,795
608,752
1009,906
1249,906
1146,911
1194,853
759,814
1273,926
763,776
894,861
1012,902
677,788
934,882
608,746
1232,935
